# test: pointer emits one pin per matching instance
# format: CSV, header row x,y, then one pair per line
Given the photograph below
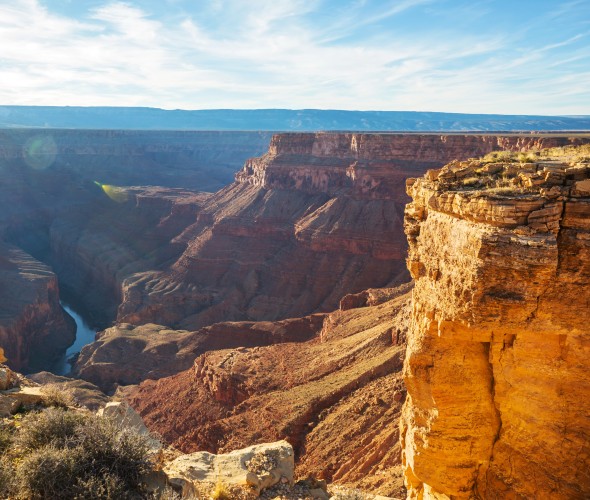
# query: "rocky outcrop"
x,y
336,398
126,417
125,354
17,392
497,359
34,329
82,392
254,469
373,165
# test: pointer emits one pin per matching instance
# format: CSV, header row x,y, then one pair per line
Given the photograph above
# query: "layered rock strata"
x,y
124,231
202,161
317,217
94,235
125,354
497,361
33,326
336,398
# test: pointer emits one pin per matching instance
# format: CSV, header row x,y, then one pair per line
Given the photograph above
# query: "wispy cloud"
x,y
294,53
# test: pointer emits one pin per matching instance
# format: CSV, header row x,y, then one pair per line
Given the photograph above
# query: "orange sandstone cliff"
x,y
499,344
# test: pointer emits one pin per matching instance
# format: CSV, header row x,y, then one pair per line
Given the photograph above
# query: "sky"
x,y
467,56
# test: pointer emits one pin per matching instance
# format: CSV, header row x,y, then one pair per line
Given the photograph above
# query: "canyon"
x,y
317,217
278,306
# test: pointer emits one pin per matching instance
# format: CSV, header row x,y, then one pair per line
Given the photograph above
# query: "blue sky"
x,y
471,56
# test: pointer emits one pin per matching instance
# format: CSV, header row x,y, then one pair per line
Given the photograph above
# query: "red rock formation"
x,y
125,354
334,397
316,217
123,231
34,329
497,360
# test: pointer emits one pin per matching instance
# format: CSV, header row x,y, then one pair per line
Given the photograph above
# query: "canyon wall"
x,y
498,349
316,217
34,329
202,161
60,203
125,230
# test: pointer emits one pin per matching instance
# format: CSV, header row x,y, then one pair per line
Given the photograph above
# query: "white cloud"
x,y
227,54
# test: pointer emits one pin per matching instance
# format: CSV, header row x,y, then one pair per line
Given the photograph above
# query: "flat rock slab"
x,y
12,400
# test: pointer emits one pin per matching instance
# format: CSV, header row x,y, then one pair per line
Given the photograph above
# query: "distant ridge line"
x,y
281,120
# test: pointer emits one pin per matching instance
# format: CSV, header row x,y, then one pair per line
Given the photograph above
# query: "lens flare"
x,y
39,152
115,193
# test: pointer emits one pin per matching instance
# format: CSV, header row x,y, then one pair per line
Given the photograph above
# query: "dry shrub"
x,y
350,495
500,156
221,492
52,426
6,478
68,455
6,437
54,395
47,472
109,448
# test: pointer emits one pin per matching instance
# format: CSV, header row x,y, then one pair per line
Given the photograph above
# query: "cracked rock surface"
x,y
498,348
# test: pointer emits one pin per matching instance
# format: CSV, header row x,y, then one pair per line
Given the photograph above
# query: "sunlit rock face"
x,y
318,216
499,346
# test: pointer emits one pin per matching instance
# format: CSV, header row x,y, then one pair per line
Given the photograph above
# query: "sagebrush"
x,y
61,453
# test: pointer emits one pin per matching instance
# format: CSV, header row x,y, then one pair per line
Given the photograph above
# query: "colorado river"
x,y
84,335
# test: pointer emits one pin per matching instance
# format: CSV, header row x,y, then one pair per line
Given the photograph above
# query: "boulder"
x,y
14,399
8,378
125,416
256,468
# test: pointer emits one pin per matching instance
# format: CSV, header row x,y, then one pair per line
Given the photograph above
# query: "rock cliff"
x,y
318,216
94,233
123,231
34,329
498,349
125,354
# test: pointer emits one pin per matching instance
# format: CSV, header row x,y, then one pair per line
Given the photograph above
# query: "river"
x,y
84,335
